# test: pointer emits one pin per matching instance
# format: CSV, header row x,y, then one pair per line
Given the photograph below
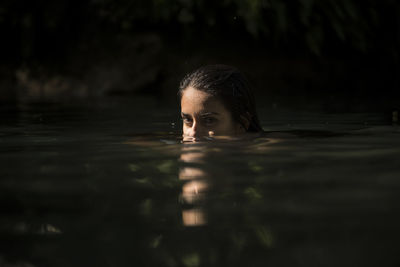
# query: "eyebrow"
x,y
208,114
202,114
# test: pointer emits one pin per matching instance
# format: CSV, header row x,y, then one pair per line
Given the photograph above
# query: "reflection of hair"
x,y
231,87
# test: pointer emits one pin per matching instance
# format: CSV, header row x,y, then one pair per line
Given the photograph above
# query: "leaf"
x,y
253,193
265,236
166,166
191,260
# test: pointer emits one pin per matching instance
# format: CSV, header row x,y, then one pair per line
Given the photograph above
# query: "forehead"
x,y
194,101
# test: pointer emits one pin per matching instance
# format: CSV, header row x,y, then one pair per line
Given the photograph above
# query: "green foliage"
x,y
166,166
361,25
191,260
314,24
265,236
252,193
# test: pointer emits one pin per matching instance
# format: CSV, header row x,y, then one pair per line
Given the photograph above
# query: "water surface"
x,y
115,187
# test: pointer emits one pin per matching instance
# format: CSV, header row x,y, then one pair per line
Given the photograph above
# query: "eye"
x,y
187,120
209,120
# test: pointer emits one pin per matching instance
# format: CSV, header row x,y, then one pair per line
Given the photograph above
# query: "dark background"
x,y
329,56
108,179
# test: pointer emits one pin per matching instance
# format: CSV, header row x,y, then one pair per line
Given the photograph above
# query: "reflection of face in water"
x,y
205,116
194,187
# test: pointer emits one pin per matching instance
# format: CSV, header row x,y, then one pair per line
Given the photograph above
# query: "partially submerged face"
x,y
205,116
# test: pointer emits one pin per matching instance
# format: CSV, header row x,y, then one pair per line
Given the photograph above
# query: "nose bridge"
x,y
195,129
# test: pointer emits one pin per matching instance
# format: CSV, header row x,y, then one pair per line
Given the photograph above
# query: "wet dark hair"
x,y
231,87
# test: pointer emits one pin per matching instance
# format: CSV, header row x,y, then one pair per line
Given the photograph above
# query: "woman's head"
x,y
217,100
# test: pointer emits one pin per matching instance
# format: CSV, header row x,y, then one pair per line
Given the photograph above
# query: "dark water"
x,y
115,187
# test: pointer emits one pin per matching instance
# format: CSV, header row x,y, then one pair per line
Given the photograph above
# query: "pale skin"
x,y
204,116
